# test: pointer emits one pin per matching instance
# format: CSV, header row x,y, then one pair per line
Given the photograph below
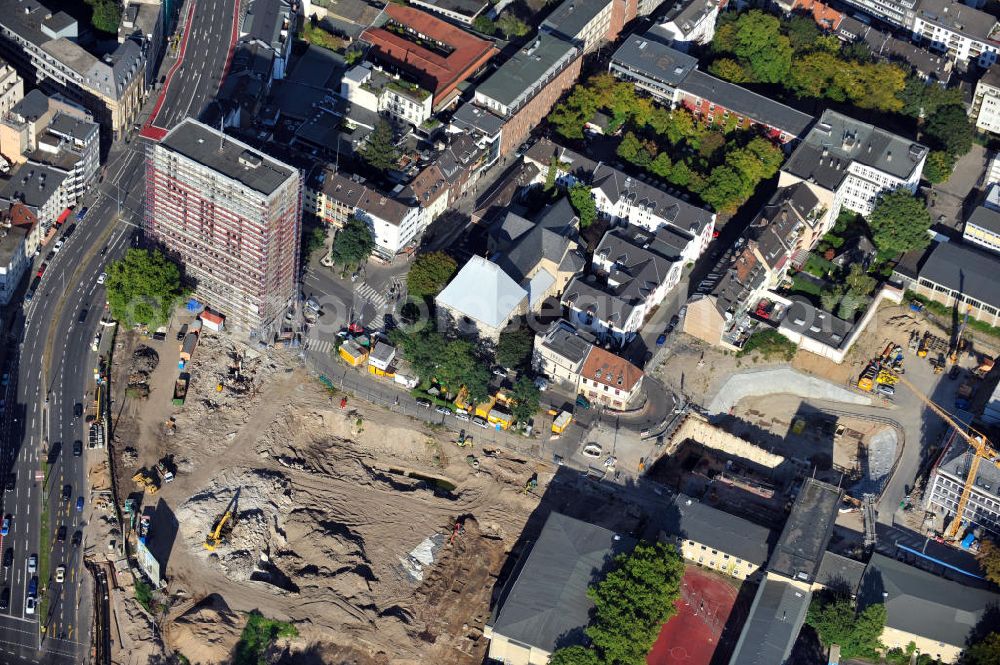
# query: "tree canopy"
x,y
575,655
353,244
756,41
514,348
453,363
429,274
511,26
526,400
949,129
143,287
985,652
899,223
633,602
989,560
836,621
939,166
380,151
755,47
583,203
107,15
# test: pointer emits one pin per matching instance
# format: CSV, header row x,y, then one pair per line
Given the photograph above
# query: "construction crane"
x,y
982,450
959,341
223,525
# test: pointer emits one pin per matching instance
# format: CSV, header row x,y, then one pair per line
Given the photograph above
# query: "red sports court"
x,y
692,635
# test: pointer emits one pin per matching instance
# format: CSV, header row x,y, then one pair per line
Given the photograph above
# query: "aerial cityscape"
x,y
500,332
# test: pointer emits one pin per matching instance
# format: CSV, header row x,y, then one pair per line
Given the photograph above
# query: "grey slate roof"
x,y
718,529
961,268
33,106
67,125
525,68
986,218
802,317
920,603
846,140
617,185
807,531
470,116
202,144
529,247
33,184
957,17
544,150
655,59
776,616
687,14
547,605
572,16
746,103
10,242
836,570
565,340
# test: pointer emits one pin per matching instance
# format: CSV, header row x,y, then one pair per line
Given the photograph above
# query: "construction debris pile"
x,y
141,365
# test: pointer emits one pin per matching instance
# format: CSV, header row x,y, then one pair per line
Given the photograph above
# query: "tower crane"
x,y
959,342
982,450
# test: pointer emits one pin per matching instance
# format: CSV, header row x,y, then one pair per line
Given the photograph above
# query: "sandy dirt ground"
x,y
376,535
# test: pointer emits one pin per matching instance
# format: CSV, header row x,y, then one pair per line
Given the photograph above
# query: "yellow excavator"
x,y
223,525
981,448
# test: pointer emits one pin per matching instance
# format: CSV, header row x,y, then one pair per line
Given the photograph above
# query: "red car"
x,y
41,269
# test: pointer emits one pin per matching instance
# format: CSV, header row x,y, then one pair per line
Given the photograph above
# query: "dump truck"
x,y
866,381
561,422
180,388
165,473
984,367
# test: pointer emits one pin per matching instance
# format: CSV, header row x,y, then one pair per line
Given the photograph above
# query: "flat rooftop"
x,y
572,16
526,68
807,531
654,59
228,156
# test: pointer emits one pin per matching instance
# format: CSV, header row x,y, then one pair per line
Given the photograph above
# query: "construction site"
x,y
259,488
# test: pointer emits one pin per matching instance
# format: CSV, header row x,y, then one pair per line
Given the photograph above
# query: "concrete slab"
x,y
779,381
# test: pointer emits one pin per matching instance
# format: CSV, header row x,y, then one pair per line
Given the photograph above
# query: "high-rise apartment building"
x,y
232,216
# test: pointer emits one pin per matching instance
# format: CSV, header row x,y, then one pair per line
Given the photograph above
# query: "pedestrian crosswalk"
x,y
319,345
368,292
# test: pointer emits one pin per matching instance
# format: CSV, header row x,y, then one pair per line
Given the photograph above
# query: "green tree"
x,y
575,655
514,348
512,26
726,189
143,287
452,362
313,238
899,223
484,25
730,70
526,400
429,274
829,298
837,622
986,652
633,601
989,560
353,244
107,15
550,175
583,203
921,100
353,55
859,282
257,637
570,116
380,151
802,32
948,128
661,165
755,39
939,166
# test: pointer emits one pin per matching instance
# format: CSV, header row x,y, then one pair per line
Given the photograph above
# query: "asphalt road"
x,y
51,365
194,83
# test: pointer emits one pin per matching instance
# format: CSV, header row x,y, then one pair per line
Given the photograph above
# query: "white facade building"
x,y
380,93
690,22
850,164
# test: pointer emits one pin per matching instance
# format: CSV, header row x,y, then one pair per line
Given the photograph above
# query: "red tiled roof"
x,y
825,16
608,369
439,73
21,215
211,317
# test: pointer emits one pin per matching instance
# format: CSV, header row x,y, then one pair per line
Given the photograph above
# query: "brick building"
x,y
232,216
